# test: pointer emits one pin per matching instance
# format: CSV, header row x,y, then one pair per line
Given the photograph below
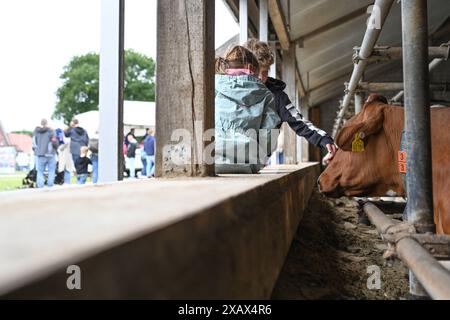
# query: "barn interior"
x,y
190,234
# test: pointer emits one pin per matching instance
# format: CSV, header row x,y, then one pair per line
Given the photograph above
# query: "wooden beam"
x,y
253,15
185,90
233,6
279,23
298,79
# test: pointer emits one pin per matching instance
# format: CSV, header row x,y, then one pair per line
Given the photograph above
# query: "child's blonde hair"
x,y
237,57
84,151
262,51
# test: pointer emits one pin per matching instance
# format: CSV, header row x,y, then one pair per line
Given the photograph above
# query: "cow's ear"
x,y
375,97
346,135
369,123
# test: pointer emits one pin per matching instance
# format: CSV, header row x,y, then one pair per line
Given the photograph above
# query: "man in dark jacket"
x,y
78,138
149,148
287,111
45,145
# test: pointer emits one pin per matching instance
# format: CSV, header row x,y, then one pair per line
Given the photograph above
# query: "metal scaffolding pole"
x,y
431,67
394,86
391,53
417,121
432,275
374,27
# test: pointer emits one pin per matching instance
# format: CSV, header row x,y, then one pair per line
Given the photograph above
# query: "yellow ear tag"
x,y
358,143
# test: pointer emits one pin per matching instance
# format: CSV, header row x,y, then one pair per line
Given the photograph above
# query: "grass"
x,y
14,182
8,183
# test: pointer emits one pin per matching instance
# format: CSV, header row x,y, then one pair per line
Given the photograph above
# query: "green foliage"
x,y
80,90
25,132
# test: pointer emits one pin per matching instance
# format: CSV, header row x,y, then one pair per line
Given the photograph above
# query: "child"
x,y
81,165
245,115
286,110
131,156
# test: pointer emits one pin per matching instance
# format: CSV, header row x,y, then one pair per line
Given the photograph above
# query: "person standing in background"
x,y
93,147
78,138
149,148
82,165
46,144
65,161
144,155
131,156
128,136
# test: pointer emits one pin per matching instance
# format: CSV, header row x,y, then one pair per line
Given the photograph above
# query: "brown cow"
x,y
374,172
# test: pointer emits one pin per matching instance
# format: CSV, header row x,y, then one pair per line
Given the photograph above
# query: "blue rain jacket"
x,y
247,124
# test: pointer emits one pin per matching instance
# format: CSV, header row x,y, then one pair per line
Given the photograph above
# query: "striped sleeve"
x,y
302,127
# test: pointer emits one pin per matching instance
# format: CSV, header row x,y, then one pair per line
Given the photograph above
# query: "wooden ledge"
x,y
158,227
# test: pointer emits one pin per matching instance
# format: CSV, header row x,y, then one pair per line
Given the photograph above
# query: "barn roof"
x,y
22,142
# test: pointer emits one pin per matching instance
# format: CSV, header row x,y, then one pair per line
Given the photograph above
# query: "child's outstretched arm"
x,y
302,127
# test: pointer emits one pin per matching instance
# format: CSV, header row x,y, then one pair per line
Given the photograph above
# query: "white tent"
x,y
136,114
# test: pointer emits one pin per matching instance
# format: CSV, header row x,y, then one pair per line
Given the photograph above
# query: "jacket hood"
x,y
275,84
79,131
244,90
42,129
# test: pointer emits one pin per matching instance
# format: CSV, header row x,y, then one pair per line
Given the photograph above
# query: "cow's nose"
x,y
318,184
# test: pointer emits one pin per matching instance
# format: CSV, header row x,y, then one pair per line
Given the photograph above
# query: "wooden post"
x,y
185,88
288,74
111,91
314,152
300,140
279,23
305,111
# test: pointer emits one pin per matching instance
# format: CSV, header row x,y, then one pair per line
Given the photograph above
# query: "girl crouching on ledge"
x,y
245,116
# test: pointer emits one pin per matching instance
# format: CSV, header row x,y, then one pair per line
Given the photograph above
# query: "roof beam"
x,y
298,78
253,14
279,23
233,6
352,15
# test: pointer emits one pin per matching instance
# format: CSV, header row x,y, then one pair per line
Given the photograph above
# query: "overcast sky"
x,y
39,37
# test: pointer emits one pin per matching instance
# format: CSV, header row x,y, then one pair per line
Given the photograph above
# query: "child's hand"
x,y
331,153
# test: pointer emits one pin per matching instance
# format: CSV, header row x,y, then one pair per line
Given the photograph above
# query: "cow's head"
x,y
372,172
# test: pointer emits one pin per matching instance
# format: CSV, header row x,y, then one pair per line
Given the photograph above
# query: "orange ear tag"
x,y
358,143
401,157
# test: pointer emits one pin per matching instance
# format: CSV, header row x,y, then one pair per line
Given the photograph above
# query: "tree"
x,y
80,89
